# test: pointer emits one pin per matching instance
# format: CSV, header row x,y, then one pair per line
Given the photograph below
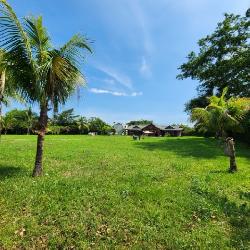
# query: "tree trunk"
x,y
230,151
2,87
43,120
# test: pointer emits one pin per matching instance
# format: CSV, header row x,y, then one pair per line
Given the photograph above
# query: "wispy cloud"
x,y
114,93
109,81
145,68
117,76
143,22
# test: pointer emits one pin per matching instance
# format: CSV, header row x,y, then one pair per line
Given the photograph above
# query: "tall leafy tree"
x,y
223,60
46,75
96,124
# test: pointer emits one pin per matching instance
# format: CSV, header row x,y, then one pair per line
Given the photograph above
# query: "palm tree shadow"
x,y
10,172
195,147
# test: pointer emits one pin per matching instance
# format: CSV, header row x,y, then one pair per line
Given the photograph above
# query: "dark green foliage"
x,y
246,126
69,123
140,122
20,121
187,131
198,102
99,126
25,122
66,118
248,13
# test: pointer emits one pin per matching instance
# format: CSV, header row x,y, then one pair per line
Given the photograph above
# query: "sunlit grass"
x,y
113,192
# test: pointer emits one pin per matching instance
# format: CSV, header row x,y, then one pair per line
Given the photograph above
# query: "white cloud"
x,y
136,94
114,93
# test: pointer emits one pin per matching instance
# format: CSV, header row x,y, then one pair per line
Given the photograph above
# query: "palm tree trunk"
x,y
2,87
43,121
230,150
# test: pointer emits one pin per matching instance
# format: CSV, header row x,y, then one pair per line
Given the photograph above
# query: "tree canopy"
x,y
223,60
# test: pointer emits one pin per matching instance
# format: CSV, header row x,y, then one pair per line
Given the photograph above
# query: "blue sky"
x,y
138,46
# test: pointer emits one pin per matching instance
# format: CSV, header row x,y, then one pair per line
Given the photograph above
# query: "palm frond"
x,y
222,101
200,115
21,68
38,36
13,38
214,100
74,48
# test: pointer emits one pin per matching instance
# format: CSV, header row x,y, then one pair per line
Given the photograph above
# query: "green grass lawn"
x,y
116,193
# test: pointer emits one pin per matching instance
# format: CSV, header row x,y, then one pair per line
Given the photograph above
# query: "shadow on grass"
x,y
237,213
195,147
238,217
10,171
219,171
244,196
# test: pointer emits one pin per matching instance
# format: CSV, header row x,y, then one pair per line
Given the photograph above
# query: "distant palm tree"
x,y
8,123
30,119
82,124
44,74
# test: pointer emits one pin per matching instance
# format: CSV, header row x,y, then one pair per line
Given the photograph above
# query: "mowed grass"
x,y
115,193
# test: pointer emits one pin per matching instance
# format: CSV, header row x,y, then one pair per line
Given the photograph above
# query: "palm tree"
x,y
82,124
221,116
48,75
8,123
30,119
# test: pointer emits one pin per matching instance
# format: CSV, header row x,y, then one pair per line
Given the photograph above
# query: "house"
x,y
119,129
153,130
173,130
134,129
